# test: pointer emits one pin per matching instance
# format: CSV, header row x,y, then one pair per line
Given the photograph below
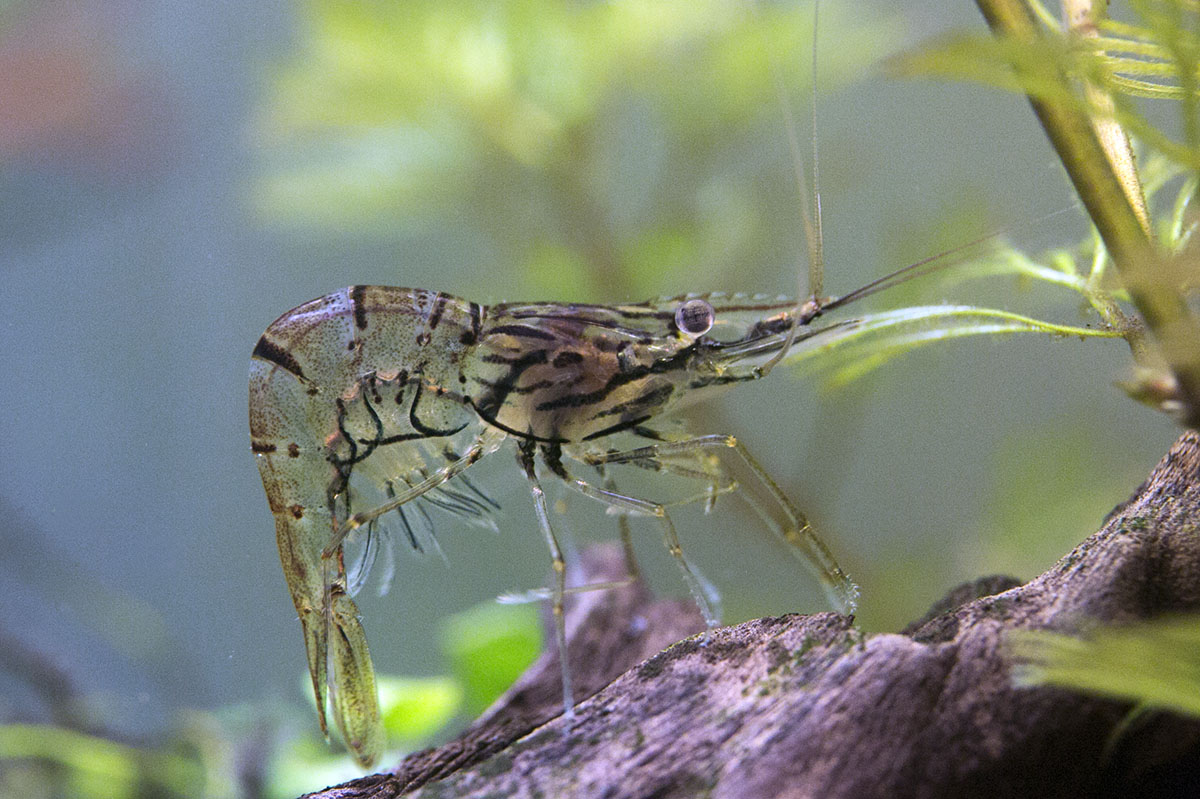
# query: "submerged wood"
x,y
806,706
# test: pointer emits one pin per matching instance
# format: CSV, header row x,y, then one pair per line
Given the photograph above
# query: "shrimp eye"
x,y
694,318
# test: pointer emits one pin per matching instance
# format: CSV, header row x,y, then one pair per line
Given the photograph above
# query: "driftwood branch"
x,y
806,706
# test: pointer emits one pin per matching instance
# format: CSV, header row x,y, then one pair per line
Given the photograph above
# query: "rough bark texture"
x,y
805,706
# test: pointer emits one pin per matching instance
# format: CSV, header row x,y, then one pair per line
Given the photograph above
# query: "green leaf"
x,y
1156,663
550,131
849,349
489,646
414,708
1156,56
97,767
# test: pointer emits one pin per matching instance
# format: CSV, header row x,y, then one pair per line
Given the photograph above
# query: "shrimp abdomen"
x,y
330,381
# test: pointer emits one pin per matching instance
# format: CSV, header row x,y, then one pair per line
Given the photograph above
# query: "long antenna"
x,y
811,217
810,202
925,266
816,246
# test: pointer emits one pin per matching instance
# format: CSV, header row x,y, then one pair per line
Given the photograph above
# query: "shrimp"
x,y
372,401
367,400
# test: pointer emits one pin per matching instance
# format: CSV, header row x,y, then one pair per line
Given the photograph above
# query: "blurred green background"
x,y
173,177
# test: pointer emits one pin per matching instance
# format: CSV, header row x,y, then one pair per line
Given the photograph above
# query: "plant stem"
x,y
1151,276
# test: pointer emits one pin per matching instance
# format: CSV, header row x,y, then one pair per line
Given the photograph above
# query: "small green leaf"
x,y
304,762
414,708
849,349
1156,663
1157,56
489,646
94,766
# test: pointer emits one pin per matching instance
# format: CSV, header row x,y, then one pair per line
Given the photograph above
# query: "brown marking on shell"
x,y
268,350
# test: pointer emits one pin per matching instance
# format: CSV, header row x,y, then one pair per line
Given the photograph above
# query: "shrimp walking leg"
x,y
787,521
525,456
487,443
352,690
702,591
633,571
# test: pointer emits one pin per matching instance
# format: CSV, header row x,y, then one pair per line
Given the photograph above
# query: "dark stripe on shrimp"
x,y
661,366
527,389
526,436
268,350
591,321
650,433
566,358
357,295
471,336
552,457
491,402
399,437
592,397
423,428
616,428
521,331
439,307
648,401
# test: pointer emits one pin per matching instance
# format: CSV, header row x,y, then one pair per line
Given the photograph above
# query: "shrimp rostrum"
x,y
373,401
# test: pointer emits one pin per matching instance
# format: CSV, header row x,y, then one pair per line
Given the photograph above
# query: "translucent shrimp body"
x,y
371,398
